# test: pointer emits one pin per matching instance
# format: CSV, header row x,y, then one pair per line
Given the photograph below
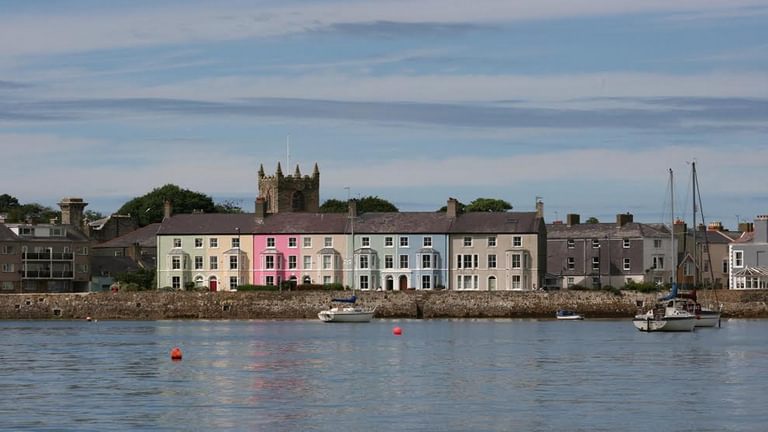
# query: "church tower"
x,y
291,193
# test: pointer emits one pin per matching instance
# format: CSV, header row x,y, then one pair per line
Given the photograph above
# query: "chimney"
x,y
680,226
715,226
761,229
167,209
261,208
623,219
352,208
452,208
746,226
72,210
539,208
3,217
572,219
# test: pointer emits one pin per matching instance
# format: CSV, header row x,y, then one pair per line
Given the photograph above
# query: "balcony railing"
x,y
48,256
48,274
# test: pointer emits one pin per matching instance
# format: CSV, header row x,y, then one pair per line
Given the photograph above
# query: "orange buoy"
x,y
176,353
397,331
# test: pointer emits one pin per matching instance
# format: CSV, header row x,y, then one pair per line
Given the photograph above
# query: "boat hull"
x,y
570,317
666,324
708,319
356,316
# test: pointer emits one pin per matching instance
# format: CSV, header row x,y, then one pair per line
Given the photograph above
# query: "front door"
x,y
403,283
390,283
213,285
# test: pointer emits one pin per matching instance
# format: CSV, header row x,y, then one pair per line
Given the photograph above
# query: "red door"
x,y
212,284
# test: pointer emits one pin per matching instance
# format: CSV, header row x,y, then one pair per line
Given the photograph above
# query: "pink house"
x,y
276,258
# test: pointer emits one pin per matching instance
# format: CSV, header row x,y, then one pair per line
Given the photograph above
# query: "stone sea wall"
x,y
305,305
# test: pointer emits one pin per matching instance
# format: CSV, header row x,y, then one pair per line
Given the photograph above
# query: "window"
x,y
199,281
327,262
233,282
365,242
307,242
517,241
270,242
427,242
516,282
213,263
571,263
389,261
426,261
403,241
213,242
293,262
571,243
326,280
491,261
269,280
6,250
269,262
328,242
236,243
426,282
403,261
596,264
491,283
570,281
307,262
176,282
198,243
516,262
177,242
363,261
467,261
595,243
657,243
658,262
292,242
627,264
233,262
82,268
175,263
725,266
738,258
363,282
7,286
198,262
7,268
467,241
492,241
625,244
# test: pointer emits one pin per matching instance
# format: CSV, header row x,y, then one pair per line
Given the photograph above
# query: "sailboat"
x,y
668,314
345,310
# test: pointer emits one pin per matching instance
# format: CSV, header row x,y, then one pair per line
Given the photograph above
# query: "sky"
x,y
586,104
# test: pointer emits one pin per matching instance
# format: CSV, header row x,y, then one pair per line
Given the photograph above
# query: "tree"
x,y
92,215
34,212
460,207
148,208
364,205
488,205
228,206
143,278
592,220
7,202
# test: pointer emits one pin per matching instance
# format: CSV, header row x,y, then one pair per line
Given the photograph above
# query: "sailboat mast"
x,y
695,227
672,229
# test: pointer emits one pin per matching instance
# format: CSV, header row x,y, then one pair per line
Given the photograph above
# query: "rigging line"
x,y
695,179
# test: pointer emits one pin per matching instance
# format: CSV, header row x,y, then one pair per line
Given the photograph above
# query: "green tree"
x,y
34,212
460,207
488,205
592,220
93,215
364,205
8,202
228,206
148,208
144,278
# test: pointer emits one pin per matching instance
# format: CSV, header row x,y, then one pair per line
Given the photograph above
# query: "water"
x,y
441,375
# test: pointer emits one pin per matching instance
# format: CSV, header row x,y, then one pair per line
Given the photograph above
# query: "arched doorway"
x,y
491,283
390,283
307,280
213,284
403,283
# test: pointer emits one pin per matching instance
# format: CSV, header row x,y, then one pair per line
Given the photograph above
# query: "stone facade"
x,y
292,193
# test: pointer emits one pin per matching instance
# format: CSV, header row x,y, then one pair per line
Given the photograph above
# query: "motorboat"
x,y
568,315
345,310
667,315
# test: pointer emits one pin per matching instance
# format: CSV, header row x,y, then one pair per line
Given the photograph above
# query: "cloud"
x,y
391,29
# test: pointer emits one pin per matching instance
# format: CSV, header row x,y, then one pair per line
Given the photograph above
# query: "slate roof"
x,y
496,222
73,234
601,230
6,234
112,265
712,237
144,236
366,223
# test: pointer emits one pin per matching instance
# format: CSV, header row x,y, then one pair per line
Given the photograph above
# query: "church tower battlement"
x,y
291,193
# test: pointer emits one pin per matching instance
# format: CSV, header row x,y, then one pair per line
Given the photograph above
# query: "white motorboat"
x,y
346,311
666,316
568,315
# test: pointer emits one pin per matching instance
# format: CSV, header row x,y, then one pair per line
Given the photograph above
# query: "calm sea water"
x,y
441,375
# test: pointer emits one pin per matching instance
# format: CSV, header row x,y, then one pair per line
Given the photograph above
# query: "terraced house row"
x,y
370,251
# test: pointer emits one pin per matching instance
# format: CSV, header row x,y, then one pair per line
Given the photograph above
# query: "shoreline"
x,y
154,305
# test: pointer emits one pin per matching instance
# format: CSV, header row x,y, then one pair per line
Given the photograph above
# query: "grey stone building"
x,y
748,258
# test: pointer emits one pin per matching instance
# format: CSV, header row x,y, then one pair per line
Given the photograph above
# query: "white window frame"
x,y
176,243
293,262
389,261
627,264
233,262
626,243
492,261
426,261
467,242
427,242
492,241
306,242
213,242
517,261
738,259
517,241
270,242
404,242
213,262
199,263
389,241
307,262
571,243
426,282
403,259
198,242
365,242
293,242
